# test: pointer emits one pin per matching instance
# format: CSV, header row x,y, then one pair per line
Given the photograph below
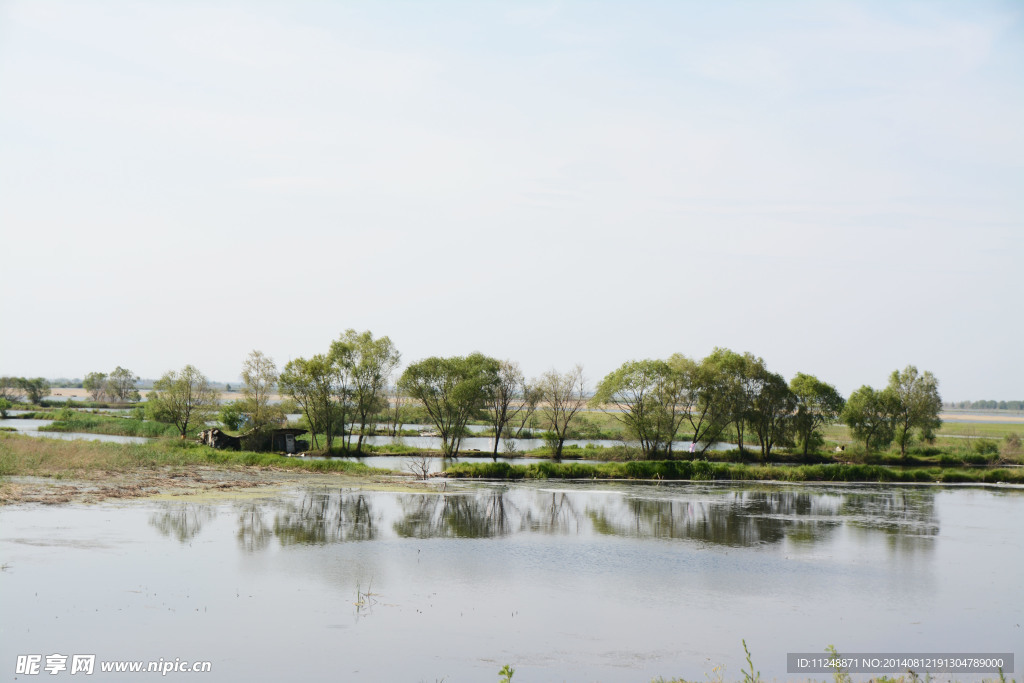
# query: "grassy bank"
x,y
23,455
711,471
104,424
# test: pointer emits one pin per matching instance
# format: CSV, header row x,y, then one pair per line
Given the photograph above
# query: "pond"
x,y
31,428
608,582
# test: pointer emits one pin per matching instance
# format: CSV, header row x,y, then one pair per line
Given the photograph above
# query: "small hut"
x,y
283,440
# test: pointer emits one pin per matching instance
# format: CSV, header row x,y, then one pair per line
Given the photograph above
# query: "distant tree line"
x,y
988,405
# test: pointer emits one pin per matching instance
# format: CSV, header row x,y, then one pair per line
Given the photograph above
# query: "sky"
x,y
836,187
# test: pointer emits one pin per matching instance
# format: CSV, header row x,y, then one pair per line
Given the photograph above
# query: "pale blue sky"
x,y
836,187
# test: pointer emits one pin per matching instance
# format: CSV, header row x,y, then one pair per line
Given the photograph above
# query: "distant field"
x,y
970,416
990,430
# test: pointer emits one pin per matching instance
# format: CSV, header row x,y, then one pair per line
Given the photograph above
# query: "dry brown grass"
x,y
27,455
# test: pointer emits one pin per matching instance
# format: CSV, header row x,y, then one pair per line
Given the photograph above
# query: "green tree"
x,y
818,405
96,384
709,401
452,390
259,373
5,405
342,363
564,395
11,388
232,415
184,399
509,397
121,385
771,410
917,404
35,389
646,396
369,362
311,383
870,415
741,379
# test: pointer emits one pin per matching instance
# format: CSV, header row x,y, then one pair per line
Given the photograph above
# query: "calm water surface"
x,y
31,428
565,582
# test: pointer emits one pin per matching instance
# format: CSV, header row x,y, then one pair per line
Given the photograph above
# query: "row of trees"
x,y
456,389
344,392
653,399
16,389
909,404
119,385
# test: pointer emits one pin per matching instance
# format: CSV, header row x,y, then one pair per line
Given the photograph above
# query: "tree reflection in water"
x,y
181,520
253,532
324,517
484,514
747,518
907,516
729,516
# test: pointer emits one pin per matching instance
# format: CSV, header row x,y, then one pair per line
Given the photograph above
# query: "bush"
x,y
985,447
550,440
1011,445
5,405
231,415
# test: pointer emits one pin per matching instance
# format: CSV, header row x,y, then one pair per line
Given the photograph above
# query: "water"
x,y
576,582
404,463
31,428
486,444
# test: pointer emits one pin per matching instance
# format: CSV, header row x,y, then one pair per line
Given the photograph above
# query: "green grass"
x,y
104,424
994,430
23,455
709,471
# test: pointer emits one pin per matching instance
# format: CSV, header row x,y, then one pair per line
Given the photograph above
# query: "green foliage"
x,y
871,416
550,441
121,385
11,388
96,384
311,384
699,470
21,455
985,447
35,389
184,399
368,362
749,675
840,674
647,397
506,674
71,421
5,405
710,396
452,390
818,405
260,376
770,411
232,415
916,405
563,396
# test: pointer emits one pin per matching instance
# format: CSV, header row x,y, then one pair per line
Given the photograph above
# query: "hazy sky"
x,y
837,187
